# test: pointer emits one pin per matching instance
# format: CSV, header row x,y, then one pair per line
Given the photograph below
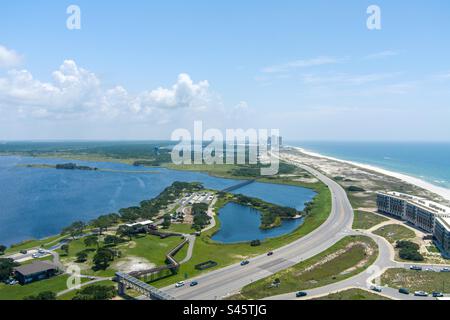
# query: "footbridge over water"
x,y
238,186
126,281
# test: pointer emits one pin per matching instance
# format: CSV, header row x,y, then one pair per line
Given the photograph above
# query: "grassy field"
x,y
181,228
353,294
29,244
151,248
366,220
225,254
417,280
395,232
19,292
341,261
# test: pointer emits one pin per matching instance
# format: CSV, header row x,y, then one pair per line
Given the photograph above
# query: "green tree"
x,y
102,258
125,232
46,295
112,240
76,229
81,256
65,249
167,221
2,249
6,268
91,241
96,292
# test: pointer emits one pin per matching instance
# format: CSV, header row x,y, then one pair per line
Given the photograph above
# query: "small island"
x,y
74,166
63,166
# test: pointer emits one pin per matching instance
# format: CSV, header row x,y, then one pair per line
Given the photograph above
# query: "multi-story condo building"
x,y
424,214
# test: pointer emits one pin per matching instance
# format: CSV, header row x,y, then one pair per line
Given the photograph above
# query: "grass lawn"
x,y
18,292
417,280
366,220
395,232
148,247
335,264
180,228
353,294
30,244
225,254
433,249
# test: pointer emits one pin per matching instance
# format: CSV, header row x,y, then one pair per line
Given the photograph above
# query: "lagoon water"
x,y
241,223
39,202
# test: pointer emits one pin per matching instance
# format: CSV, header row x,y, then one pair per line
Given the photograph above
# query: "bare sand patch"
x,y
131,263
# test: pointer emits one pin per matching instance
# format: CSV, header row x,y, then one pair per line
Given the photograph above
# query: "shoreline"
x,y
441,191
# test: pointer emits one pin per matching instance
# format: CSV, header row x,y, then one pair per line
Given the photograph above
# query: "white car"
x,y
376,288
179,284
36,255
421,294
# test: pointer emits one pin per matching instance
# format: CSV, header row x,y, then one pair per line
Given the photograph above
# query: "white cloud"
x,y
297,64
8,58
76,91
183,94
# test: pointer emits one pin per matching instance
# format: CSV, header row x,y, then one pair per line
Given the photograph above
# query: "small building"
x,y
145,223
38,270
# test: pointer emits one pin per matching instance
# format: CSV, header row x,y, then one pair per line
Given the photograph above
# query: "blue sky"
x,y
140,69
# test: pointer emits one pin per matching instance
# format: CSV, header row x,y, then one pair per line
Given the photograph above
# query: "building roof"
x,y
142,223
440,211
35,267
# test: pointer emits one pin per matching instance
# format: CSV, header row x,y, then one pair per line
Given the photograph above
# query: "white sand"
x,y
443,192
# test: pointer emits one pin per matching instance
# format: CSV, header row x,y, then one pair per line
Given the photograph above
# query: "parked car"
x,y
245,262
270,253
193,283
36,255
403,291
416,268
11,281
445,270
421,294
42,251
437,294
179,284
376,288
23,251
301,294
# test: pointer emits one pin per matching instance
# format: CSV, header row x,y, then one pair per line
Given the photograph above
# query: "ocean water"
x,y
39,202
427,161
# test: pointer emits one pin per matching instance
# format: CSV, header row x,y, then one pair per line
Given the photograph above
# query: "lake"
x,y
241,223
39,202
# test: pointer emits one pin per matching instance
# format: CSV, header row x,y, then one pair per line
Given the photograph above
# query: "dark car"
x,y
23,251
403,291
270,253
437,294
416,268
193,283
245,262
301,294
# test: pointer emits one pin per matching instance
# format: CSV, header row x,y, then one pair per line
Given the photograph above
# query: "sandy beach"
x,y
442,192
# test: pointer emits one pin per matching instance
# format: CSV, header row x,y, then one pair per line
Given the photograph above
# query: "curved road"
x,y
223,282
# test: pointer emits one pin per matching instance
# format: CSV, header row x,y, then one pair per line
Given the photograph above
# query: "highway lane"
x,y
223,282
